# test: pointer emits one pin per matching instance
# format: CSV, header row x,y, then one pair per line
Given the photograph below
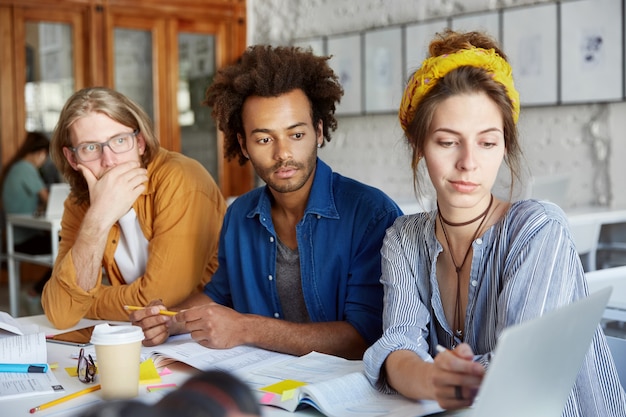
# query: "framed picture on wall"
x,y
417,37
484,22
591,51
531,44
347,63
383,70
317,45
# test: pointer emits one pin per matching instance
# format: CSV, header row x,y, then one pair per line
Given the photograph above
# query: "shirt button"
x,y
270,277
479,241
272,239
474,283
319,217
276,315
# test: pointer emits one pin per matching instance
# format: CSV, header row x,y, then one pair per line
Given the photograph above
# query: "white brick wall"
x,y
370,148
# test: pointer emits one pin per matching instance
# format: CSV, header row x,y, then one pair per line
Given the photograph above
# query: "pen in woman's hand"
x,y
440,349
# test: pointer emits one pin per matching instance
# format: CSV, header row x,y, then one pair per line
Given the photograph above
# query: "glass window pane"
x,y
133,66
49,73
196,64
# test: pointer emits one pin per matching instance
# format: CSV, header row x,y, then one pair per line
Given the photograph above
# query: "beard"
x,y
304,172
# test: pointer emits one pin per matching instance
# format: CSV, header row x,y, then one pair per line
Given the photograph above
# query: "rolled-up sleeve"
x,y
181,219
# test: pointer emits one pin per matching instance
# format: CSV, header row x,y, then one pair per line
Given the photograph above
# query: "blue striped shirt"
x,y
523,266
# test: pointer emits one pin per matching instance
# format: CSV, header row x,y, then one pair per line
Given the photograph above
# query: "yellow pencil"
x,y
63,399
163,312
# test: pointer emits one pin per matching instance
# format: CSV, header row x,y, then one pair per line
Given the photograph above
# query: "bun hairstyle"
x,y
460,63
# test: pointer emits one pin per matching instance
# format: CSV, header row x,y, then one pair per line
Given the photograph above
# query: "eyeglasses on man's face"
x,y
86,368
90,151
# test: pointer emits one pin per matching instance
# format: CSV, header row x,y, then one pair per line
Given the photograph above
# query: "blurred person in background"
x,y
24,191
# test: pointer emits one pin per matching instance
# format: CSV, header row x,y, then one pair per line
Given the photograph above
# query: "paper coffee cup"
x,y
118,355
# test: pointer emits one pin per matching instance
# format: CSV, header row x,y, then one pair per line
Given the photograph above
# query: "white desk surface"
x,y
591,214
61,354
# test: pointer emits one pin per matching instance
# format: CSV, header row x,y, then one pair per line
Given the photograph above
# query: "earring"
x,y
319,145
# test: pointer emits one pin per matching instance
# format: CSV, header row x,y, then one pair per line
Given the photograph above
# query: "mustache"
x,y
287,164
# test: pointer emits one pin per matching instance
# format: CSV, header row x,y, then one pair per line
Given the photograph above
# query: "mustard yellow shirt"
x,y
180,214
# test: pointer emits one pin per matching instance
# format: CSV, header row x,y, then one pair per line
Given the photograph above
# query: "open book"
x,y
335,386
24,344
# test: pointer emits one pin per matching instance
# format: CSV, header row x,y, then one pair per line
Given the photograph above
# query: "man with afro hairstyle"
x,y
299,258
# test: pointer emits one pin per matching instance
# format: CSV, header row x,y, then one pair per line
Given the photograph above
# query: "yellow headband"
x,y
437,67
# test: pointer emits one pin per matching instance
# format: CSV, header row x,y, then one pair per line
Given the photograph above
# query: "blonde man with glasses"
x,y
145,219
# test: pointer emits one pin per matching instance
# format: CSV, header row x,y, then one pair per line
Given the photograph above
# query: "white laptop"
x,y
56,198
535,363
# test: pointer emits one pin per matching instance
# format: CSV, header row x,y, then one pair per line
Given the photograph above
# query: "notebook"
x,y
56,198
535,363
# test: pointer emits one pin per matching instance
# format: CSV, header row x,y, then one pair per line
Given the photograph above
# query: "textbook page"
x,y
238,360
19,343
310,368
24,384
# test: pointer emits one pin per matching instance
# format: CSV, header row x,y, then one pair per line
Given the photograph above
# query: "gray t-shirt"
x,y
289,284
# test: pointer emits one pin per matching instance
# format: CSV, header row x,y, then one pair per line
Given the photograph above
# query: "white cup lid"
x,y
105,334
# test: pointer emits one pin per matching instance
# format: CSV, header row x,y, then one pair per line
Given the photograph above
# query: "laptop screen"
x,y
536,362
56,198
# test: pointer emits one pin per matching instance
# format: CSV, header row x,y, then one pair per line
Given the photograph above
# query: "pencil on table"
x,y
63,399
163,312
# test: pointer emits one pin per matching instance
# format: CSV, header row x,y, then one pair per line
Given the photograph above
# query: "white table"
x,y
53,225
61,354
585,224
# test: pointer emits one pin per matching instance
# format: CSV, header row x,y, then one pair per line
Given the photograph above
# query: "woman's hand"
x,y
456,377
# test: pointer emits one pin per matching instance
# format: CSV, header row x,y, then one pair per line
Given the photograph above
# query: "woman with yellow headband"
x,y
457,276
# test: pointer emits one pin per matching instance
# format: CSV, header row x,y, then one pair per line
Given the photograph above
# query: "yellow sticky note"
x,y
71,371
282,386
148,373
288,394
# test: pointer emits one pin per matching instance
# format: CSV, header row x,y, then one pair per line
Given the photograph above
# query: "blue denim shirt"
x,y
339,241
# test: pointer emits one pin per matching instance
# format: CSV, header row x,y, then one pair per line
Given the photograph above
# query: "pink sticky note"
x,y
165,371
160,387
267,398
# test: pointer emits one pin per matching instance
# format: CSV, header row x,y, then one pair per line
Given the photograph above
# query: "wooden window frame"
x,y
92,36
